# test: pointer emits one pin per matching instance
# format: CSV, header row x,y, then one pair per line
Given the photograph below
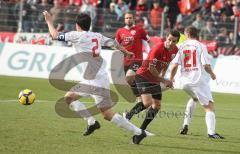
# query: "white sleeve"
x,y
177,59
72,36
204,55
106,41
146,46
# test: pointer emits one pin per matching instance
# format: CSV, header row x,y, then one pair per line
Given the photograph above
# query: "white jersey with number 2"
x,y
192,55
89,42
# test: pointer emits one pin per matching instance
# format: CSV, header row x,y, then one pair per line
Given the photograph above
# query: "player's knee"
x,y
156,105
107,115
68,99
209,107
130,79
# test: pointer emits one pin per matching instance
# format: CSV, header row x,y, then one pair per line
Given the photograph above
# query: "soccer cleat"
x,y
136,139
184,130
91,128
127,115
215,136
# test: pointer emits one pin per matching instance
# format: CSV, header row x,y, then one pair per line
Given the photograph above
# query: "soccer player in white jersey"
x,y
193,59
90,42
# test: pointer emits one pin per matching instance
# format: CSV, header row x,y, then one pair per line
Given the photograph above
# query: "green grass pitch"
x,y
38,129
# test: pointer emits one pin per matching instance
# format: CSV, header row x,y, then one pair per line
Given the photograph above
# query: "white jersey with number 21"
x,y
192,55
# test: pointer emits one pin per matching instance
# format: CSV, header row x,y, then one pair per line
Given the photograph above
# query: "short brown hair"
x,y
174,33
191,31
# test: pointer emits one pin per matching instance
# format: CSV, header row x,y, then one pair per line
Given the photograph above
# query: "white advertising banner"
x,y
38,61
228,75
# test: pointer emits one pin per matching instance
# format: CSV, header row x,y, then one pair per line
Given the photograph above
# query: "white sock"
x,y
191,105
123,123
78,106
211,122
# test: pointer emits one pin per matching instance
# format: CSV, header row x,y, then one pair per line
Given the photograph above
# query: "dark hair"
x,y
84,21
192,31
175,33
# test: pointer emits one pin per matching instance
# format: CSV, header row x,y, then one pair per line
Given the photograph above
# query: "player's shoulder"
x,y
138,28
159,45
120,30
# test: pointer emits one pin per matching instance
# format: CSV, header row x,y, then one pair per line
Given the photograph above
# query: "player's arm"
x,y
206,62
52,30
209,70
153,70
174,66
173,71
161,78
164,70
152,67
115,45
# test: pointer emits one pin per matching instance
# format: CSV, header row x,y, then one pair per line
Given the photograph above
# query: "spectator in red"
x,y
141,5
78,2
155,15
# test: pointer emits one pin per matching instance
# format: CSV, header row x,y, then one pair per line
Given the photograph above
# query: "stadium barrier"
x,y
37,61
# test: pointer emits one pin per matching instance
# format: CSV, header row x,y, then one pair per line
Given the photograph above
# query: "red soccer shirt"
x,y
131,40
160,57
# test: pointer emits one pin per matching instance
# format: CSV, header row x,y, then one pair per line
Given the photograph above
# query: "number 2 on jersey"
x,y
189,54
95,48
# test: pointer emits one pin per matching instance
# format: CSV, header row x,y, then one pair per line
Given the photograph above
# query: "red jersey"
x,y
131,40
160,57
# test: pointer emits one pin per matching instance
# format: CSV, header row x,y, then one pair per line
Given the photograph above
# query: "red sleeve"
x,y
144,35
152,57
117,37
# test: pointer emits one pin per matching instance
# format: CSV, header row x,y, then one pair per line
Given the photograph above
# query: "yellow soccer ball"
x,y
26,97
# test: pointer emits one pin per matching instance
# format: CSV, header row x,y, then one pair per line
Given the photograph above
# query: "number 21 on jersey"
x,y
190,58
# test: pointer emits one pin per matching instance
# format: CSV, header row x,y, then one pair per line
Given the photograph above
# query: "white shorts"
x,y
201,91
98,89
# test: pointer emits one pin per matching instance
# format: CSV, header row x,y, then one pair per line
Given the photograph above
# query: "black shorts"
x,y
134,66
146,87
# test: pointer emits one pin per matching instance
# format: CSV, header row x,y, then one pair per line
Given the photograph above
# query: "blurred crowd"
x,y
214,18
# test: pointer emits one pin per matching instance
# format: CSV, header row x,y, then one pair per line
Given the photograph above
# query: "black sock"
x,y
135,110
151,113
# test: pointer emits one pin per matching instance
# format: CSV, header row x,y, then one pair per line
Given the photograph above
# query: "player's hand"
x,y
151,66
213,76
129,54
47,16
168,83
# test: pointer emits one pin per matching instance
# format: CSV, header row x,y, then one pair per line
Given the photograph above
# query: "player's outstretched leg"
x,y
191,105
92,123
121,122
